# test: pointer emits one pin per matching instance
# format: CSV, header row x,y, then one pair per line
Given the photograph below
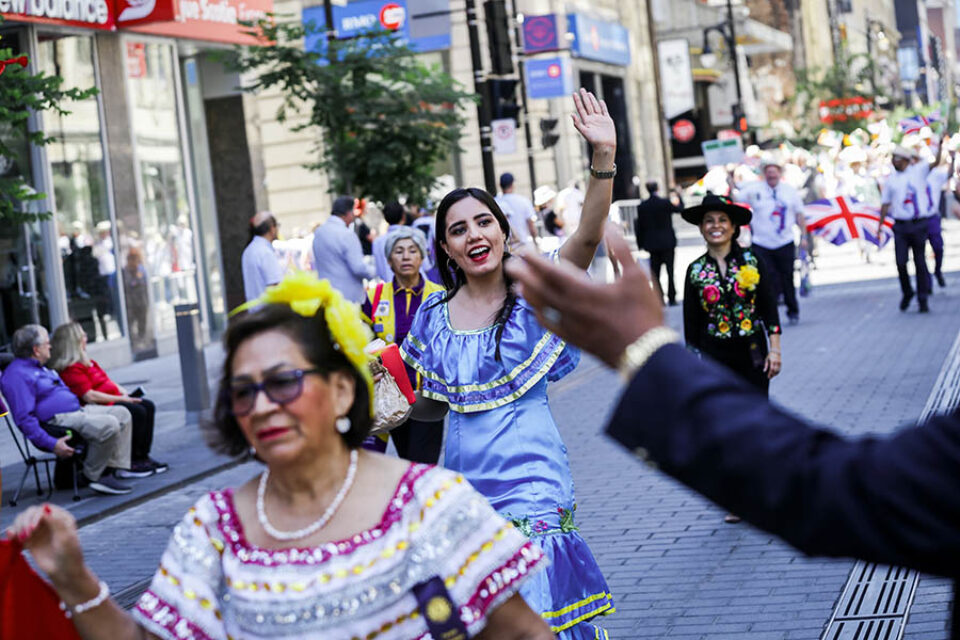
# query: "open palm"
x,y
593,121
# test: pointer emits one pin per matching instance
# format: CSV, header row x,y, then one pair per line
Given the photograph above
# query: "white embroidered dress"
x,y
212,583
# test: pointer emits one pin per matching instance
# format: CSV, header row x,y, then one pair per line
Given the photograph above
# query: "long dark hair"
x,y
451,274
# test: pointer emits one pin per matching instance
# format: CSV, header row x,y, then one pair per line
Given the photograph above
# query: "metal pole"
x,y
521,70
331,28
483,108
871,62
732,43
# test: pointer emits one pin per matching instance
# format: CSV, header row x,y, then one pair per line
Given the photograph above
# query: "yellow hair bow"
x,y
306,294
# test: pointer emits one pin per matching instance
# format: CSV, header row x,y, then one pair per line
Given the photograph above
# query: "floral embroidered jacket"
x,y
737,304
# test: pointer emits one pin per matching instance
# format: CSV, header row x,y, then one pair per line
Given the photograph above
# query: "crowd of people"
x,y
334,539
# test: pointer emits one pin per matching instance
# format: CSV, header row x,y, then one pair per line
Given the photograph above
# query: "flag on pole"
x,y
841,219
913,124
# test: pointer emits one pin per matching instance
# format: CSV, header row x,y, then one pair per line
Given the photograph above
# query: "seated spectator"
x,y
90,383
37,395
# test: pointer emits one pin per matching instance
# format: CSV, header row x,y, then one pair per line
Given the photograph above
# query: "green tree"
x,y
386,118
23,92
852,75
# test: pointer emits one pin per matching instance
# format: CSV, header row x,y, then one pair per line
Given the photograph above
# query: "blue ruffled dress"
x,y
503,439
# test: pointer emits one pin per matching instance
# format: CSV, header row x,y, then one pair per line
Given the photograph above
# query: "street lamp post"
x,y
728,31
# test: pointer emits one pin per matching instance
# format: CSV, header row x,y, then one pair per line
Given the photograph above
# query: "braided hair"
x,y
451,275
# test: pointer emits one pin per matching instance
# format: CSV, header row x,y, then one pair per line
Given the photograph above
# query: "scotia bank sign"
x,y
212,20
95,14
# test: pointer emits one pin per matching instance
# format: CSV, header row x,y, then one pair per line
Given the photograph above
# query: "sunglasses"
x,y
282,388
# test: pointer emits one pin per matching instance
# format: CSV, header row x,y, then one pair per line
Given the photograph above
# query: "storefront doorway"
x,y
610,89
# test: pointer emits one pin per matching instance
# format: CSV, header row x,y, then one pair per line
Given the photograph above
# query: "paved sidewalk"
x,y
677,571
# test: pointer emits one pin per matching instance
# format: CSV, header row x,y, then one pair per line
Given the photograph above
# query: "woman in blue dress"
x,y
480,350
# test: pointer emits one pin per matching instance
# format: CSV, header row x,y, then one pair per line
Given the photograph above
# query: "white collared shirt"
x,y
907,193
775,212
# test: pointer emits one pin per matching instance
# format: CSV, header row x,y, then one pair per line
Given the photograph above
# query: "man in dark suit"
x,y
655,235
893,500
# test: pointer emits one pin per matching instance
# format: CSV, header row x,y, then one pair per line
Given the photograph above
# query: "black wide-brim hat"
x,y
739,215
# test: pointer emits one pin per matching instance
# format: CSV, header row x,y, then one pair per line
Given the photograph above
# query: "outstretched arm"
x,y
594,123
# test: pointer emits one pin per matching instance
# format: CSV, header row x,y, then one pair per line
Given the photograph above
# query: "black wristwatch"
x,y
604,175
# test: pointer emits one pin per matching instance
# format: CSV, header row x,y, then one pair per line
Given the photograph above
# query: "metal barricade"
x,y
624,214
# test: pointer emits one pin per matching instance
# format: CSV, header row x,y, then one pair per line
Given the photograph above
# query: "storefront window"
x,y
80,191
167,244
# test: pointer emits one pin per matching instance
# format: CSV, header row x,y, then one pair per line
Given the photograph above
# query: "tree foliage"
x,y
386,118
852,75
23,92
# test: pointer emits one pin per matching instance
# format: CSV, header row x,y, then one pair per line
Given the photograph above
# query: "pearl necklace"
x,y
316,525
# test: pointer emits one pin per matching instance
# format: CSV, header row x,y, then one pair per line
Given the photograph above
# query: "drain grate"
x,y
877,598
874,603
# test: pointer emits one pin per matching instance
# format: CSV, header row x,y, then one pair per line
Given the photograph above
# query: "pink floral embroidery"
x,y
711,293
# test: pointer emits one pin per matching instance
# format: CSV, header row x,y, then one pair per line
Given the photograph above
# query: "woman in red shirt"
x,y
92,385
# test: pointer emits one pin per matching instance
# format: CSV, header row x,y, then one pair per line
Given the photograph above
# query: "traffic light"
x,y
503,98
498,35
739,119
548,127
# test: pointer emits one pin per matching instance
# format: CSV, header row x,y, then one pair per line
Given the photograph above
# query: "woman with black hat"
x,y
728,306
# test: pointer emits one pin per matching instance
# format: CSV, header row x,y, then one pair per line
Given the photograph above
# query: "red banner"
x,y
845,109
209,20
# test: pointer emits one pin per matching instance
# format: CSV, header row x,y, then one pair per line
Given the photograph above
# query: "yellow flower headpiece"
x,y
306,294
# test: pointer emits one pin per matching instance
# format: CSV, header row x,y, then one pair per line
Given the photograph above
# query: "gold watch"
x,y
641,349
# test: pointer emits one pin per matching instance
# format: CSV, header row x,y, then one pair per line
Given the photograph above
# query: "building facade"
x,y
616,63
131,178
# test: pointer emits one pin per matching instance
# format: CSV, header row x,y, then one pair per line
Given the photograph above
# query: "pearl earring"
x,y
343,424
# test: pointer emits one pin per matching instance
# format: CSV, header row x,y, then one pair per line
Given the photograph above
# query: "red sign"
x,y
210,20
92,14
392,16
136,59
844,109
554,71
684,130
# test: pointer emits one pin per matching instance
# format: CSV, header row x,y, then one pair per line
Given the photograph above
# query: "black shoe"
x,y
672,303
905,301
793,320
940,279
137,469
158,467
110,486
923,307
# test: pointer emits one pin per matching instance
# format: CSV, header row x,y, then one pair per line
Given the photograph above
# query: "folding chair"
x,y
30,461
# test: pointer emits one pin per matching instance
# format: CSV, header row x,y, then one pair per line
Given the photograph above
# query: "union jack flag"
x,y
841,219
913,124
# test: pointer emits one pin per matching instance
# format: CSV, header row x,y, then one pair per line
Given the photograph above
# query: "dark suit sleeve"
x,y
894,500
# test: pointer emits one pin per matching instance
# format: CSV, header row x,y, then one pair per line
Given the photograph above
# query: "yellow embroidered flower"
x,y
746,325
306,294
723,327
747,277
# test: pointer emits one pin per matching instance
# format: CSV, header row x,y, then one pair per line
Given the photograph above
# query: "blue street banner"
x,y
540,34
548,77
426,29
599,40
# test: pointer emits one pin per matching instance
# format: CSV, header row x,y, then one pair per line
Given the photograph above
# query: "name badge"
x,y
383,308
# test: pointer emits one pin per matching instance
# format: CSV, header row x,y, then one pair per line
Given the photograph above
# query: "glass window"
x,y
80,191
168,241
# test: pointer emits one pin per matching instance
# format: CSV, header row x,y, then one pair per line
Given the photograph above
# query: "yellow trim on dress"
x,y
576,605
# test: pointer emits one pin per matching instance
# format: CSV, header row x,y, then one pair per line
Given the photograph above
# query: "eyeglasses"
x,y
282,388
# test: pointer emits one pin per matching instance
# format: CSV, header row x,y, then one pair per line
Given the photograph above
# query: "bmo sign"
x,y
361,17
86,13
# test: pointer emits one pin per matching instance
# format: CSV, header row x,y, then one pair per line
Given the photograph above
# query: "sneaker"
x,y
109,485
158,467
140,466
133,472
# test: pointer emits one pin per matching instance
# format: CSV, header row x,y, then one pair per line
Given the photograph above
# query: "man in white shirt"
x,y
936,181
905,200
259,262
569,205
337,253
520,212
776,208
